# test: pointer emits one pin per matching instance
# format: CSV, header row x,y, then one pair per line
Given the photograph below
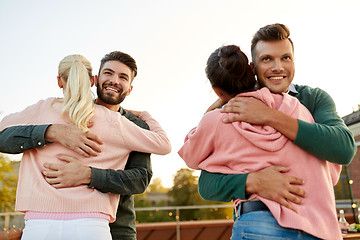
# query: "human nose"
x,y
115,79
277,67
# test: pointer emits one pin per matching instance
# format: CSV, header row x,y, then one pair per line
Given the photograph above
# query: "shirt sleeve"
x,y
136,176
134,179
17,139
328,138
222,187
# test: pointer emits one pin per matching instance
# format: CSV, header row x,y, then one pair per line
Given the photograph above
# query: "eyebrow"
x,y
109,69
270,55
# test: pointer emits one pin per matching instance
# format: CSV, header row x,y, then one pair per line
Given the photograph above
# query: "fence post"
x,y
6,226
177,224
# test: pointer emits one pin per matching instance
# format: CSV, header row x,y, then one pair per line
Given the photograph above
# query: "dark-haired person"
x,y
132,180
240,147
328,138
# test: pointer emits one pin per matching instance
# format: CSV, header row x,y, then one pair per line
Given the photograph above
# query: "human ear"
x,y
224,96
218,92
60,82
130,89
92,80
252,67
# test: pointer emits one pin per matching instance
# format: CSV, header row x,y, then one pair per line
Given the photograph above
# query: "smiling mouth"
x,y
276,78
112,89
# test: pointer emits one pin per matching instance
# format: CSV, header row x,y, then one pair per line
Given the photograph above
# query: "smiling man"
x,y
116,73
275,68
113,84
328,138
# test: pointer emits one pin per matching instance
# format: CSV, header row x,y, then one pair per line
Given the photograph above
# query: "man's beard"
x,y
109,99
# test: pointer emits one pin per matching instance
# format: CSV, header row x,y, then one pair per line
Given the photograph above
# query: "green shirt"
x,y
328,138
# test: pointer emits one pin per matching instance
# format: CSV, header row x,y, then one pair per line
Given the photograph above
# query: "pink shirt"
x,y
120,137
241,147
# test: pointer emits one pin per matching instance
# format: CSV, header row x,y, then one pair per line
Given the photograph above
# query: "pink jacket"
x,y
241,147
120,137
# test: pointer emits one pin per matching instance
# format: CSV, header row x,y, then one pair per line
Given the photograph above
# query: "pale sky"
x,y
171,41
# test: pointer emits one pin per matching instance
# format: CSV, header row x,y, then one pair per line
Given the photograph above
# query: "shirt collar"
x,y
292,90
121,111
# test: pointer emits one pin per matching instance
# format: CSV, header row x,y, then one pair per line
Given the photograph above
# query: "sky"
x,y
171,41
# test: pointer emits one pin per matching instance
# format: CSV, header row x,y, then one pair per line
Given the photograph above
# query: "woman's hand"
x,y
136,113
217,104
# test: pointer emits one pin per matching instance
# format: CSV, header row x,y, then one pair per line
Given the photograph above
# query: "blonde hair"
x,y
78,103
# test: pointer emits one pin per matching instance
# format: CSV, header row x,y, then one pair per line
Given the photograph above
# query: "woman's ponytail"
x,y
78,103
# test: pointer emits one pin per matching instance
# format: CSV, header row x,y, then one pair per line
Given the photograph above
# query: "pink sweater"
x,y
241,147
120,137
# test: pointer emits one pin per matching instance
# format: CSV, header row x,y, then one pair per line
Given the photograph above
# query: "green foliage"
x,y
142,201
156,186
183,193
155,216
8,182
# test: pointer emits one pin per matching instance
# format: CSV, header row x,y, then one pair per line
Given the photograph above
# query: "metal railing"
x,y
15,221
11,222
177,211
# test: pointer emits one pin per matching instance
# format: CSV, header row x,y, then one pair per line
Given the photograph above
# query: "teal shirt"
x,y
328,138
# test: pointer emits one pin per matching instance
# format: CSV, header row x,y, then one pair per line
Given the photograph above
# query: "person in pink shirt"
x,y
79,212
240,147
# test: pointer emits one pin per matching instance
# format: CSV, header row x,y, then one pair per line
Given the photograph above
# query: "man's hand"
x,y
85,144
70,174
272,184
248,109
254,111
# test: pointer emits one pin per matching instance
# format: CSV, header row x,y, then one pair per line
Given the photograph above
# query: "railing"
x,y
12,223
177,211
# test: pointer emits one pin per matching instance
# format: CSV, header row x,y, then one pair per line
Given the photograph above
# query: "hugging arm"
x,y
17,139
136,176
134,179
336,143
328,138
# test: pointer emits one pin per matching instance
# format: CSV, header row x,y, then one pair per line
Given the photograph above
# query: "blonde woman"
x,y
77,212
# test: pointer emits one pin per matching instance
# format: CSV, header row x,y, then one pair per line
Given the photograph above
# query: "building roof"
x,y
352,118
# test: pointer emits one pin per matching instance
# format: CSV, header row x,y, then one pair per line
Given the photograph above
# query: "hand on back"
x,y
86,144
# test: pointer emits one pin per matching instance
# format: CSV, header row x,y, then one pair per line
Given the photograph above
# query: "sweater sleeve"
x,y
28,116
198,145
328,138
200,142
16,134
142,140
134,179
